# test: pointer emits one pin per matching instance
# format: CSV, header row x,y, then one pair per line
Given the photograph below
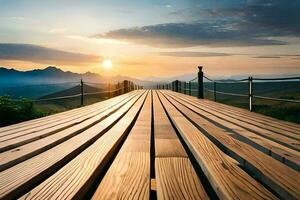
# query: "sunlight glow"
x,y
107,64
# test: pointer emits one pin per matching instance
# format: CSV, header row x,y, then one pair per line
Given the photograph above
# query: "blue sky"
x,y
139,36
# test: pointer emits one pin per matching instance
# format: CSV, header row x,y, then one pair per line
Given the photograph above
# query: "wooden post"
x,y
250,79
81,92
200,83
126,86
176,85
118,87
215,91
190,88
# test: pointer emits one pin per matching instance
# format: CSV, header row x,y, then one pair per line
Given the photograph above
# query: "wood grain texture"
x,y
166,142
269,126
279,138
255,116
129,175
23,137
75,178
175,175
276,175
21,153
247,123
23,126
177,179
282,153
226,177
17,178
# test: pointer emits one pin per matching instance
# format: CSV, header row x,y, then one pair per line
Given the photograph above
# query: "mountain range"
x,y
40,82
50,75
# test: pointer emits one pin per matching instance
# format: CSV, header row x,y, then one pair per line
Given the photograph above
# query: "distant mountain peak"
x,y
53,68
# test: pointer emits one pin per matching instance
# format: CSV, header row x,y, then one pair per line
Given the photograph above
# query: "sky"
x,y
152,38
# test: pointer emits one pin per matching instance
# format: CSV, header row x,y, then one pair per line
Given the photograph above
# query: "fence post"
x,y
190,88
250,92
200,83
215,91
81,92
118,89
176,85
126,83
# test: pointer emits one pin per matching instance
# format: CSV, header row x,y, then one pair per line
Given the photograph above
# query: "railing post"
x,y
126,86
176,85
250,79
109,91
81,92
200,83
215,91
190,88
118,89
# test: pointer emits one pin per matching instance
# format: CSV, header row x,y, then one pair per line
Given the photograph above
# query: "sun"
x,y
107,64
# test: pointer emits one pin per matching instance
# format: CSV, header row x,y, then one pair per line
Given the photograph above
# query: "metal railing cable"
x,y
276,99
226,81
103,92
277,79
194,79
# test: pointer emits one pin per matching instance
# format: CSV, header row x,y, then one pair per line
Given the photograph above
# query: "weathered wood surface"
x,y
175,176
151,144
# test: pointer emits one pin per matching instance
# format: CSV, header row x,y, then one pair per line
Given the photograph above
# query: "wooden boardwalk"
x,y
151,144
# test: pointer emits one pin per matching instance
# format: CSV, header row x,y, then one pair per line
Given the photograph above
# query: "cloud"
x,y
175,35
293,56
43,55
194,54
254,24
266,57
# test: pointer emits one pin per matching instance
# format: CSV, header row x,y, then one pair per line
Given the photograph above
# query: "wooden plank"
x,y
18,178
16,128
250,120
257,116
175,175
283,180
8,144
46,124
270,126
264,118
281,139
284,154
227,179
21,153
176,179
166,142
261,117
129,175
